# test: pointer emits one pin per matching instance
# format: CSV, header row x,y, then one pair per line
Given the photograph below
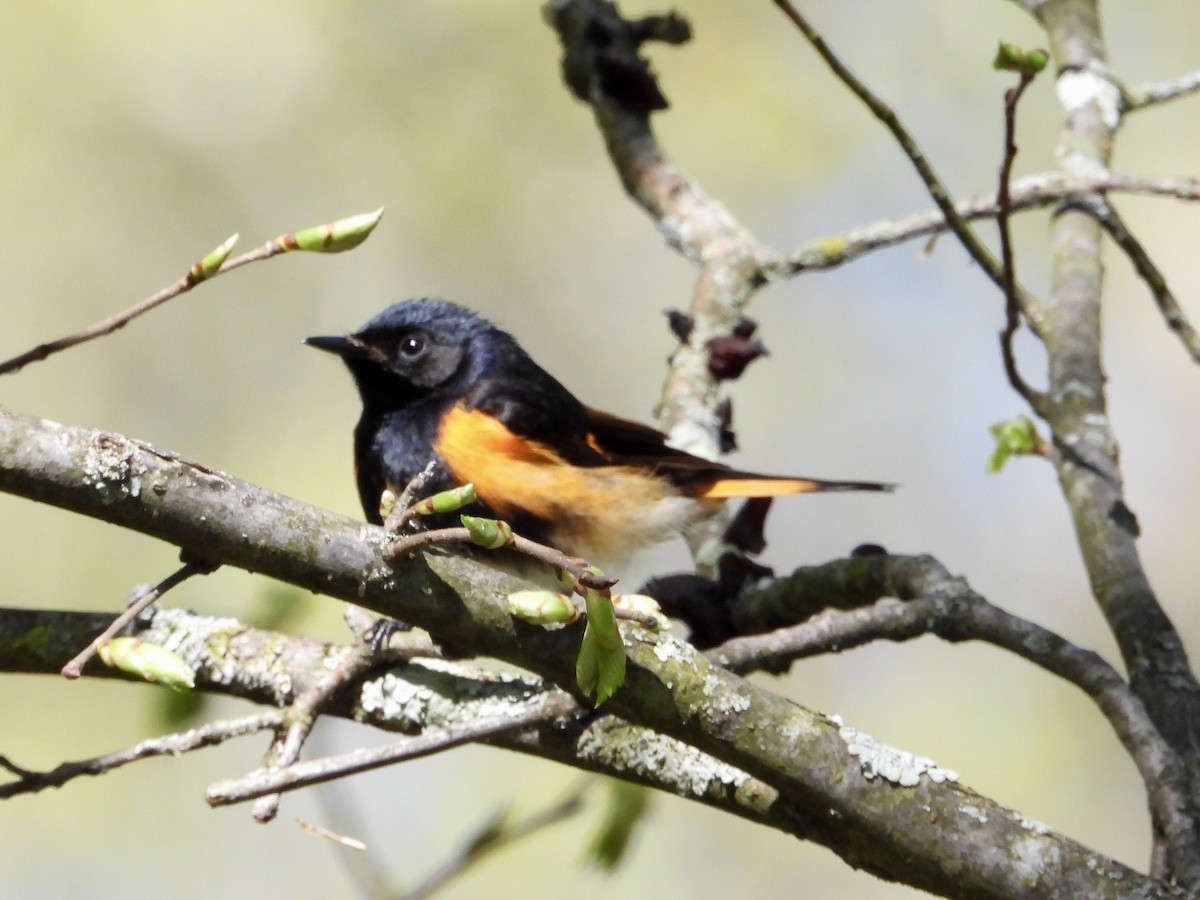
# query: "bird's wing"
x,y
626,443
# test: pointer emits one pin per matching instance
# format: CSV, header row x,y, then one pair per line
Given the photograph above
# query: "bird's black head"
x,y
415,349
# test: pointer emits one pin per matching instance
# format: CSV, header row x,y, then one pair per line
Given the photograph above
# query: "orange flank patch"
x,y
509,472
602,512
726,488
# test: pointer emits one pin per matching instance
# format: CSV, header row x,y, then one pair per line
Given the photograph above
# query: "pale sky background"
x,y
135,137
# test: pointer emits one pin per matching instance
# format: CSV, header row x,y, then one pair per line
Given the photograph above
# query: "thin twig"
x,y
1160,91
168,745
301,716
908,144
74,666
1146,269
332,237
540,708
405,509
195,275
366,871
578,568
494,835
1012,303
1027,192
352,843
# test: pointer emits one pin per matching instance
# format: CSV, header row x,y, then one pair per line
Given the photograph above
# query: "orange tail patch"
x,y
744,484
726,488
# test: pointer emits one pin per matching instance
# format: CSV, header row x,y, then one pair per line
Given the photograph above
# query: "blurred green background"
x,y
134,137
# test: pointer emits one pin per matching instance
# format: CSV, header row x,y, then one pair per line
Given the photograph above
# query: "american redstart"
x,y
439,383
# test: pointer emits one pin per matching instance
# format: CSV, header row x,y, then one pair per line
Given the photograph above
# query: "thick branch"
x,y
597,41
1076,408
942,604
408,698
902,834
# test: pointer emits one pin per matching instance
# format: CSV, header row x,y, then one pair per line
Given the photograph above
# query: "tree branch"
x,y
1155,92
333,237
75,664
1013,310
908,144
496,833
271,780
1028,192
268,667
1148,271
597,42
1076,409
939,603
669,688
299,719
168,745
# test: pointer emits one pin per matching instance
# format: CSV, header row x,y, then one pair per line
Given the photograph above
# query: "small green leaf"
x,y
1011,58
446,501
610,670
599,671
149,661
211,264
602,618
587,666
542,607
600,667
333,237
490,533
1016,437
627,808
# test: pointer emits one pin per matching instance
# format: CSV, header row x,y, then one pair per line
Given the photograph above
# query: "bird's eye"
x,y
412,347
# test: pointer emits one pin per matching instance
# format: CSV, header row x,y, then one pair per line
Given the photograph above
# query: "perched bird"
x,y
440,383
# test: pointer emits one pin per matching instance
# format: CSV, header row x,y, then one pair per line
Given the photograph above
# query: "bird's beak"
x,y
345,347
